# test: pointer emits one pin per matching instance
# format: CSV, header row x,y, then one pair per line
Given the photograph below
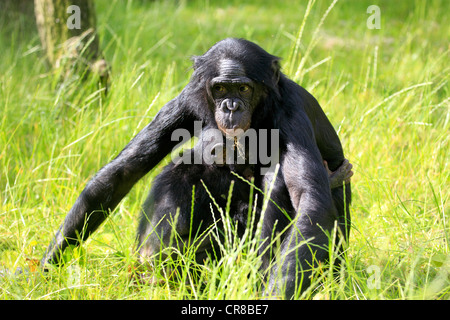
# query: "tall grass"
x,y
386,92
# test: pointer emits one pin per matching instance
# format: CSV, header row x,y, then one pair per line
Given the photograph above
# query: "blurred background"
x,y
70,99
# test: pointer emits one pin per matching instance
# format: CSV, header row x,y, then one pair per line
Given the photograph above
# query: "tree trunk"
x,y
67,29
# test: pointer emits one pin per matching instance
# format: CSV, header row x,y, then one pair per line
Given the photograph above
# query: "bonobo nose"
x,y
235,106
230,104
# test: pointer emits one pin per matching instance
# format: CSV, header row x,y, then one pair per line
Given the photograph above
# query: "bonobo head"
x,y
237,75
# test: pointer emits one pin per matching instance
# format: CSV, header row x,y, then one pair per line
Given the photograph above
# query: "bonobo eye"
x,y
219,88
244,88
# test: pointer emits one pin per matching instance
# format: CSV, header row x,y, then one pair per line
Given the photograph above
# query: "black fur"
x,y
302,187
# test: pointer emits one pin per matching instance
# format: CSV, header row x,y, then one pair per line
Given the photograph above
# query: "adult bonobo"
x,y
236,88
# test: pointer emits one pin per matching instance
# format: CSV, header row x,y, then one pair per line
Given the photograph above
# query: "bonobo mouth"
x,y
233,124
235,131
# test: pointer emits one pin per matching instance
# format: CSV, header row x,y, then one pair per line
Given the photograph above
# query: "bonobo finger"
x,y
325,163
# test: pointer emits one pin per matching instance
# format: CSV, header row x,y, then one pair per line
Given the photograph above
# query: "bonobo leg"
x,y
169,225
276,220
282,221
173,218
167,219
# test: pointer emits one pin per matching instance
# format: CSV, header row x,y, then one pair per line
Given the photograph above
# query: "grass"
x,y
385,90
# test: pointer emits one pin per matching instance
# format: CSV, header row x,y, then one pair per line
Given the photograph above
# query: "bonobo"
x,y
236,89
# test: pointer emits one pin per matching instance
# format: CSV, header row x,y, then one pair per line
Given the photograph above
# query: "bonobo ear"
x,y
195,61
276,72
201,66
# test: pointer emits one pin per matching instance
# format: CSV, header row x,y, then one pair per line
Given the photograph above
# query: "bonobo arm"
x,y
308,184
107,188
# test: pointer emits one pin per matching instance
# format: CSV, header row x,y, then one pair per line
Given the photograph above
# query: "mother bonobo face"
x,y
232,93
237,76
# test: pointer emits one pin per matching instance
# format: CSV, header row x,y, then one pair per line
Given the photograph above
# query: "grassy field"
x,y
385,90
